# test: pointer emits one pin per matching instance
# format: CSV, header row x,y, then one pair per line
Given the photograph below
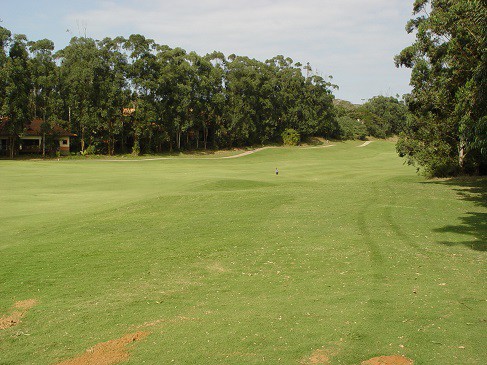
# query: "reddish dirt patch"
x,y
389,360
318,357
323,355
25,304
107,353
16,313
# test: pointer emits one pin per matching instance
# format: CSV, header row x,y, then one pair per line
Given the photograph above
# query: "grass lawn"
x,y
346,255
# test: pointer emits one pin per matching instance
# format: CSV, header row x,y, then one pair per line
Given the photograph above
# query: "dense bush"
x,y
351,128
291,137
90,150
381,117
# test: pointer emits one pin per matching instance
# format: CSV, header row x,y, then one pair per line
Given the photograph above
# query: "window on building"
x,y
31,142
65,142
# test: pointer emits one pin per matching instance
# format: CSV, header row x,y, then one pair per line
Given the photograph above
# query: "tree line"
x,y
446,131
133,95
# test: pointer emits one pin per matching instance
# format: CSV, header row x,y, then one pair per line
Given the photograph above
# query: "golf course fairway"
x,y
347,255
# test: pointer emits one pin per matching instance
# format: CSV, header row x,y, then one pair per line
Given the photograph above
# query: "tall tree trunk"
x,y
122,140
461,154
82,139
205,135
35,102
12,147
111,139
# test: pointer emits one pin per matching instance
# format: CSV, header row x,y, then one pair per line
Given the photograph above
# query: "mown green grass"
x,y
347,250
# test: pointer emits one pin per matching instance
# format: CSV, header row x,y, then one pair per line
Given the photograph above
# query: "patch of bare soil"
x,y
318,357
323,355
107,353
389,360
16,313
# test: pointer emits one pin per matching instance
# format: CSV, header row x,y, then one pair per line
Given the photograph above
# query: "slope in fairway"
x,y
346,255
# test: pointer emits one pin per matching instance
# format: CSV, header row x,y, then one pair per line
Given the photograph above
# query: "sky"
x,y
354,41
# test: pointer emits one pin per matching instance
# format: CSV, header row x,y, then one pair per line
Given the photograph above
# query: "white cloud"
x,y
342,38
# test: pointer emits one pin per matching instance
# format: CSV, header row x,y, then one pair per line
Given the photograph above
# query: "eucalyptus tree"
x,y
16,88
5,39
181,75
44,81
112,90
143,72
246,105
213,96
266,103
447,132
79,64
181,93
288,90
206,83
302,103
317,108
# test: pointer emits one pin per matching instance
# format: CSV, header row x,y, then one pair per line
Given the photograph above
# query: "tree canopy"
x,y
380,117
134,95
447,131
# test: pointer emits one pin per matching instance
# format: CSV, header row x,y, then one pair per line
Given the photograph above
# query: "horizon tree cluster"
x,y
131,94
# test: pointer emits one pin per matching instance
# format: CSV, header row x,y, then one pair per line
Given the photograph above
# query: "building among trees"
x,y
37,137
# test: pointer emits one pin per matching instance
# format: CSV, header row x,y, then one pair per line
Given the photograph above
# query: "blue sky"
x,y
352,40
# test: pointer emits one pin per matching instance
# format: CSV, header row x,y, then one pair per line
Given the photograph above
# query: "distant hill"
x,y
344,104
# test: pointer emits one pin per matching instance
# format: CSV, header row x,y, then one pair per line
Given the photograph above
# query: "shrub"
x,y
90,150
136,149
351,128
291,137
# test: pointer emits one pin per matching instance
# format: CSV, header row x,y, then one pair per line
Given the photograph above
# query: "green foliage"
x,y
90,150
381,116
175,99
136,149
16,85
343,107
449,97
351,128
391,111
291,137
437,158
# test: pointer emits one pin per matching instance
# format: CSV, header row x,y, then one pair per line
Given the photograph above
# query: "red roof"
x,y
34,128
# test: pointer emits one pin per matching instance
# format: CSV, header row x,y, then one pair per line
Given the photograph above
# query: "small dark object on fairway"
x,y
277,171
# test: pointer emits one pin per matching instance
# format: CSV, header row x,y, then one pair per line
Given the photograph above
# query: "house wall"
x,y
32,138
64,145
32,144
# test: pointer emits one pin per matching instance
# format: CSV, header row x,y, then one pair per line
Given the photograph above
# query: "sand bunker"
x,y
107,353
16,313
389,360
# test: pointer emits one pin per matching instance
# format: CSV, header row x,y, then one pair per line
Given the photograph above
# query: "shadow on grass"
x,y
473,224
